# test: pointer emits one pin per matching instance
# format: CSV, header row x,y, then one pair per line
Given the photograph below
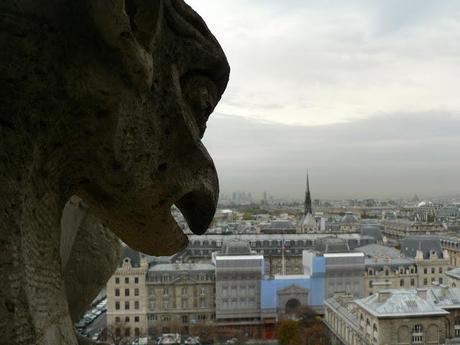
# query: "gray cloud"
x,y
364,93
390,155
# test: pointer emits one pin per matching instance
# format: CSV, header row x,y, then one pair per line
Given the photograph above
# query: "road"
x,y
97,325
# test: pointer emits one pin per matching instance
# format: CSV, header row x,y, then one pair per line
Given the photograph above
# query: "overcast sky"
x,y
364,94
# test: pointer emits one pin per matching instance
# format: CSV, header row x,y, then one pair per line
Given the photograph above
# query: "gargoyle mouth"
x,y
198,209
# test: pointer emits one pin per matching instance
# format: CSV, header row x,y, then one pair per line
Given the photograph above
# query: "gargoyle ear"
x,y
113,24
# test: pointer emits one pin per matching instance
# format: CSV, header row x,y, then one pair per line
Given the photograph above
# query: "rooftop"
x,y
378,250
181,267
400,302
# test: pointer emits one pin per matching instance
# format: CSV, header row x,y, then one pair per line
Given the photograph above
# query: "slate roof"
x,y
455,273
132,254
181,267
332,245
444,297
281,224
349,218
400,302
378,250
426,244
373,230
235,247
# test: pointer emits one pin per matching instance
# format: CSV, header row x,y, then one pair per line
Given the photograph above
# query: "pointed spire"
x,y
307,206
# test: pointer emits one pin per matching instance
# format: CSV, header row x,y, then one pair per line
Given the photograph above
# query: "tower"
x,y
307,206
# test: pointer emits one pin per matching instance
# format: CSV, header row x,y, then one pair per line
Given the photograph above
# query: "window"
x,y
136,280
117,292
118,332
136,292
433,270
127,332
425,270
117,280
127,319
117,305
136,318
127,305
136,332
412,282
440,280
184,319
136,304
152,304
425,281
126,292
401,282
184,303
440,269
165,291
117,319
370,283
457,327
417,334
126,280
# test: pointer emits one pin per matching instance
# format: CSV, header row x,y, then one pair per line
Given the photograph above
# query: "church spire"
x,y
307,205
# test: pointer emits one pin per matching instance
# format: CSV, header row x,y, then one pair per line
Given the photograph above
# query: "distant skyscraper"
x,y
308,208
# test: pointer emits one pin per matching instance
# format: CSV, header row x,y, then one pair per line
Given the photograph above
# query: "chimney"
x,y
422,293
419,255
383,295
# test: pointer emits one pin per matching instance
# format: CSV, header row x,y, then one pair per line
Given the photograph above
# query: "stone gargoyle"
x,y
103,104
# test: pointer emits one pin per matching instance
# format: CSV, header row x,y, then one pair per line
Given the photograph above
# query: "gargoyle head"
x,y
146,84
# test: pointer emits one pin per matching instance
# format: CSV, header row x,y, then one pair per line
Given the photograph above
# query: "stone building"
x,y
432,261
276,248
396,316
278,226
126,297
179,295
350,223
452,245
387,267
453,277
397,229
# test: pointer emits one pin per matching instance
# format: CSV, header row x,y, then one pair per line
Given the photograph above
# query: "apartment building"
x,y
396,316
179,295
126,297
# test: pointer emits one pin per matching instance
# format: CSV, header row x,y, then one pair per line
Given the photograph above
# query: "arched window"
x,y
375,332
417,334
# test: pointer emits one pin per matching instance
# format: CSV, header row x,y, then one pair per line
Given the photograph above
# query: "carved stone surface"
x,y
106,100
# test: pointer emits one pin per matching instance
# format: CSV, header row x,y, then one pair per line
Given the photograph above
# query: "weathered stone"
x,y
106,100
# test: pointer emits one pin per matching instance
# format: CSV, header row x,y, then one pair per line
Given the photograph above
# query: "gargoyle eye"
x,y
201,95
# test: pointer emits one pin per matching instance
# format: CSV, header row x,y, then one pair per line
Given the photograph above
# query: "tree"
x,y
316,334
116,333
289,333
